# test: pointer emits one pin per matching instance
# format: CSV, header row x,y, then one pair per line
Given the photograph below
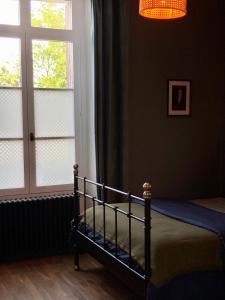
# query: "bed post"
x,y
76,217
147,234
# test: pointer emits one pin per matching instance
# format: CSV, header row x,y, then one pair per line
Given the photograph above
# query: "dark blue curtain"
x,y
111,43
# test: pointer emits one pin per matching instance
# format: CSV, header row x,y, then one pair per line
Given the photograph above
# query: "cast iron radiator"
x,y
35,227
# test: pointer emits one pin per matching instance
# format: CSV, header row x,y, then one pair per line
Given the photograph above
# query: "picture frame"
x,y
179,93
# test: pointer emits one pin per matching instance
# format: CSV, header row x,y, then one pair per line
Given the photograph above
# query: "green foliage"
x,y
49,16
49,57
10,75
49,62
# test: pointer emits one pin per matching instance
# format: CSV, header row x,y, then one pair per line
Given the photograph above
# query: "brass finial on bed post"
x,y
147,190
76,169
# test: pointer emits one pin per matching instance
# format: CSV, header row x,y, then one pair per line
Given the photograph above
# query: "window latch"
x,y
32,137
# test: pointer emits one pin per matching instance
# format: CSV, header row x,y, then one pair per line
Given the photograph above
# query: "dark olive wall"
x,y
181,156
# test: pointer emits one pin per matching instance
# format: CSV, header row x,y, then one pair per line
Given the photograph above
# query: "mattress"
x,y
177,248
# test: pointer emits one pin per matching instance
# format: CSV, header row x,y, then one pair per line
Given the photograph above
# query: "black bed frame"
x,y
137,281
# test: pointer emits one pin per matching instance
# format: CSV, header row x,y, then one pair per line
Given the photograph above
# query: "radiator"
x,y
35,227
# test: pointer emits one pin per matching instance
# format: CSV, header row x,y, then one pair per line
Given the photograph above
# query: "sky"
x,y
10,48
9,12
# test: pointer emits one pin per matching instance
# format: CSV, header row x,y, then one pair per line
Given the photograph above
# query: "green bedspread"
x,y
176,247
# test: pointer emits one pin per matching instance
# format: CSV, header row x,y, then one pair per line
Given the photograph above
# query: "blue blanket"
x,y
193,214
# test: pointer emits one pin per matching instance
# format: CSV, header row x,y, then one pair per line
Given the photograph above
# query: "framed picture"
x,y
179,97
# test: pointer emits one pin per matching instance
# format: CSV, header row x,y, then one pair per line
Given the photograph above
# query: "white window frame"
x,y
83,91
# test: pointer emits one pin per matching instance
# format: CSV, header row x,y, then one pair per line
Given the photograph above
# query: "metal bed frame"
x,y
131,277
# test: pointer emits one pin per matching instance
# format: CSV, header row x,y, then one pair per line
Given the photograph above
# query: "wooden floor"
x,y
54,278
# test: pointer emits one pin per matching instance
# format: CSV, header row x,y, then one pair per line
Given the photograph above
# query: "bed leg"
x,y
146,290
76,257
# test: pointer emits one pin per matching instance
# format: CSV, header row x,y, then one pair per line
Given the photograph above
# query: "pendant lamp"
x,y
163,9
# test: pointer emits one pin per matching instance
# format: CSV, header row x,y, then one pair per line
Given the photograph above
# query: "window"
x,y
42,93
53,111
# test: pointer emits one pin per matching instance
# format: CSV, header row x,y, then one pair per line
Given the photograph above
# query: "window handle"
x,y
32,137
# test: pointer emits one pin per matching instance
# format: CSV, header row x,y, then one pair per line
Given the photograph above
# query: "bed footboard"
x,y
139,280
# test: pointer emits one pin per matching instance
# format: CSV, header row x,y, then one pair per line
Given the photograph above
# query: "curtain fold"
x,y
111,52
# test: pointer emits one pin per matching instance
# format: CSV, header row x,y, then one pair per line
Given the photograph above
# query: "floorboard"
x,y
54,278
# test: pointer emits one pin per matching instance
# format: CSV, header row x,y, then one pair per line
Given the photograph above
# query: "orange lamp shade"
x,y
163,9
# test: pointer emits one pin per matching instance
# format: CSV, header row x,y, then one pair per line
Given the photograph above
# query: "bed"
x,y
162,249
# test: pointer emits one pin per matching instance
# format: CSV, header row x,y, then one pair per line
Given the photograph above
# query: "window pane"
x,y
9,12
11,124
52,64
54,113
11,165
55,14
54,162
10,62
